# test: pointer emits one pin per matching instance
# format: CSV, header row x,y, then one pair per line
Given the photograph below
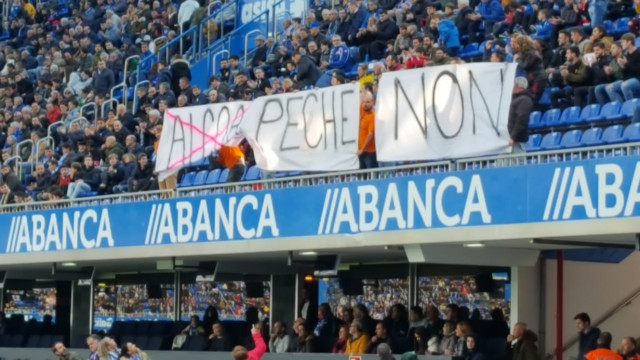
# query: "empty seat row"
x,y
611,111
219,176
33,341
613,134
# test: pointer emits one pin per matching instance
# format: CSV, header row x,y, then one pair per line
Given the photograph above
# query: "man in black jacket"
x,y
103,79
88,180
307,73
521,107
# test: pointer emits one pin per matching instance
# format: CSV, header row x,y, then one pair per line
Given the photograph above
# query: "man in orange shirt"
x,y
232,158
366,140
603,352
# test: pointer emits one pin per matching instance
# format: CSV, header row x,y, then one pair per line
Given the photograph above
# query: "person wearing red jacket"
x,y
419,59
241,353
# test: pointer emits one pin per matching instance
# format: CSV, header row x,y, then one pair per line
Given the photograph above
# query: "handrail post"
x,y
246,41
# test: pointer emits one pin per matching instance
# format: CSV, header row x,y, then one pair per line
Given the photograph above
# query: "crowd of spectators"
x,y
59,58
378,296
33,303
229,298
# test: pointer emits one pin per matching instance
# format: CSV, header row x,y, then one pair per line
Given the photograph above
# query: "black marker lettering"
x,y
346,119
329,120
454,79
421,122
289,124
472,82
304,120
263,115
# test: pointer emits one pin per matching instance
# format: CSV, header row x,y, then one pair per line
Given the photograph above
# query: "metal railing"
x,y
215,56
346,177
134,109
109,102
550,156
89,105
53,126
17,165
246,43
123,85
82,122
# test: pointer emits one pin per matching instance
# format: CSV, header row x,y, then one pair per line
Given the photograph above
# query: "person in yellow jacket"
x,y
358,340
29,8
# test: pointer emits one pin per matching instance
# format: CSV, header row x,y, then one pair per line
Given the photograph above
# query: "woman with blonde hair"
x,y
529,62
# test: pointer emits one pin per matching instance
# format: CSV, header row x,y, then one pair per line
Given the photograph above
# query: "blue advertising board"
x,y
592,189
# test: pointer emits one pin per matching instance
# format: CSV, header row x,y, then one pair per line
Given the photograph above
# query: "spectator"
x,y
62,353
9,178
366,140
241,353
448,39
521,343
143,179
521,106
218,340
628,349
629,62
463,330
307,73
358,340
279,340
589,335
416,320
324,332
473,350
341,343
384,352
381,336
92,343
131,351
449,339
306,340
603,351
491,13
530,62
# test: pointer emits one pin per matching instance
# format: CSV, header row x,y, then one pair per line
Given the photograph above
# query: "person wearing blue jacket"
x,y
374,11
491,12
358,15
543,27
449,37
339,57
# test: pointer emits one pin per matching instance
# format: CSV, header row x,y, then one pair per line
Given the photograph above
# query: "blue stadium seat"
x,y
253,174
545,98
534,119
620,26
571,139
570,115
200,178
592,137
468,51
612,135
608,25
626,111
632,133
87,194
608,109
186,181
533,142
550,117
213,176
223,176
588,112
550,140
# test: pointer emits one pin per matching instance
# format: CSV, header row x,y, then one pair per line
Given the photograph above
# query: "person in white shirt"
x,y
186,10
279,341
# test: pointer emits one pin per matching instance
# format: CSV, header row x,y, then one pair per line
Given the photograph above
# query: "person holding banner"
x,y
232,158
366,141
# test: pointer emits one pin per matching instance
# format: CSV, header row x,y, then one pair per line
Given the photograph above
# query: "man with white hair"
x,y
521,107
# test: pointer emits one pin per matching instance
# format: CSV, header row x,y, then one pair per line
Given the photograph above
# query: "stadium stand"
x,y
93,78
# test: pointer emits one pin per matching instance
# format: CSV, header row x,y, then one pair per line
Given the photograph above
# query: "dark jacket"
x,y
521,107
93,177
103,81
307,72
524,349
588,342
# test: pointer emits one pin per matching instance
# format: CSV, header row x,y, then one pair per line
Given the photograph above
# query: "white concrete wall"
x,y
525,295
593,288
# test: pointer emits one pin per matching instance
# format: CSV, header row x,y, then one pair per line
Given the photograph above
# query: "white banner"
x,y
442,112
192,133
315,130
